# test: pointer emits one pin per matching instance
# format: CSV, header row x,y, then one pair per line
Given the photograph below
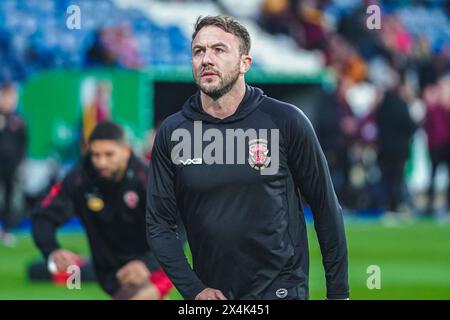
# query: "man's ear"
x,y
128,150
246,62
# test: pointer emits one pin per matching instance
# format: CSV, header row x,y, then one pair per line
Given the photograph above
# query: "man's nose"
x,y
101,162
207,58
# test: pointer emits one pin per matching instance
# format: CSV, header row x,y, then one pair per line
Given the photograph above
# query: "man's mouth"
x,y
208,74
104,173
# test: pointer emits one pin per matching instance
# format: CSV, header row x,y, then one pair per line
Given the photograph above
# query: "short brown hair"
x,y
227,24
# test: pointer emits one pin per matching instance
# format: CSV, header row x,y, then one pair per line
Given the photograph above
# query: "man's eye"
x,y
219,50
198,51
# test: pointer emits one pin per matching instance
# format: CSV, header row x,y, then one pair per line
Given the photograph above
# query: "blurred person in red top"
x,y
12,152
437,126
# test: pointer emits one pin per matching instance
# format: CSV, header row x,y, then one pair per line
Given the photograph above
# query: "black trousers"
x,y
7,183
392,171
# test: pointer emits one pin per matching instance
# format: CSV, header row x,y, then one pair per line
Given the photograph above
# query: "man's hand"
x,y
210,294
63,259
145,292
134,273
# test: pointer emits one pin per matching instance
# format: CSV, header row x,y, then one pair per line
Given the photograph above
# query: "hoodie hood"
x,y
192,108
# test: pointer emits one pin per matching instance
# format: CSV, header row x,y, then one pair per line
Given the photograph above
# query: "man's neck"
x,y
226,105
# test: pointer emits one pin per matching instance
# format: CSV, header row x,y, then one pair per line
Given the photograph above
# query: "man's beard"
x,y
112,178
225,84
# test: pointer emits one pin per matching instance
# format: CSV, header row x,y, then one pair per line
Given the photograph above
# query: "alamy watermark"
x,y
374,279
72,274
73,21
257,144
374,19
74,279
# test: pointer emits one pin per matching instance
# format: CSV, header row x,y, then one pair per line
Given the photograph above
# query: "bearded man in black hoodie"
x,y
240,202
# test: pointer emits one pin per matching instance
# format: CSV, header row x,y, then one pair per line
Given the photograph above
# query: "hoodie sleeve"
x,y
141,171
162,220
310,171
52,212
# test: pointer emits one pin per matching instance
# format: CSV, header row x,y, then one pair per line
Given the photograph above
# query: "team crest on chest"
x,y
258,152
131,199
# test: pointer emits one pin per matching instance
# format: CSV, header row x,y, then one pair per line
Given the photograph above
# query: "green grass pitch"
x,y
414,260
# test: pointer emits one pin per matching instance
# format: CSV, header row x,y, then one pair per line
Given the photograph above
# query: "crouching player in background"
x,y
106,190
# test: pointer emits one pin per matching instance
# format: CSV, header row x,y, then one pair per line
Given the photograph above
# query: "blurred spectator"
x,y
312,29
99,53
354,66
303,20
395,37
113,47
352,26
357,102
432,67
12,152
276,16
395,131
126,47
437,127
345,60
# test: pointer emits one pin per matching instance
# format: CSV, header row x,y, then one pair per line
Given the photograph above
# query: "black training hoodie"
x,y
246,229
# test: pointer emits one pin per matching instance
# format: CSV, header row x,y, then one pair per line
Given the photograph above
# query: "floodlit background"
x,y
375,84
